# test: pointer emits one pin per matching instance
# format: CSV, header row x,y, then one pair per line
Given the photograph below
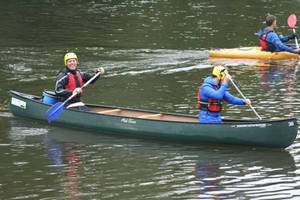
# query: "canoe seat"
x,y
110,111
150,116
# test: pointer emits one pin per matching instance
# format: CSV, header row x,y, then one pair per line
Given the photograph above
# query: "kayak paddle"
x,y
292,20
56,109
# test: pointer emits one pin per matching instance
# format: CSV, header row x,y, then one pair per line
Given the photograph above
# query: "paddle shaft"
x,y
86,84
236,87
297,46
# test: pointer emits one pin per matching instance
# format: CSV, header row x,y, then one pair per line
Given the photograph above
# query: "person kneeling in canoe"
x,y
212,93
270,41
70,80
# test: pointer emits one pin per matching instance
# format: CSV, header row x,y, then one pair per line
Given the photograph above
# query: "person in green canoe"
x,y
70,80
271,41
212,93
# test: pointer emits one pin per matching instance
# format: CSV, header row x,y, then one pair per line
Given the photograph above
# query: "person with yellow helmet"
x,y
212,93
69,81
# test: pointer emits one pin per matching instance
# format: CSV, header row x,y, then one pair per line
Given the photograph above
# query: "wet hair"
x,y
270,19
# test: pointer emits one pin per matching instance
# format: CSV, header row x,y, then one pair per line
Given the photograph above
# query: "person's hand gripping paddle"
x,y
292,21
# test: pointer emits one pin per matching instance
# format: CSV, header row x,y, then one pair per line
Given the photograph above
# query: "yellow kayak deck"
x,y
251,53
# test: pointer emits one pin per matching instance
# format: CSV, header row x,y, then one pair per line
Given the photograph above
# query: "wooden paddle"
x,y
239,91
3,104
292,21
56,109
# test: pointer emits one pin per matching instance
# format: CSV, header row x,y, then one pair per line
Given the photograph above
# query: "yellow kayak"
x,y
251,53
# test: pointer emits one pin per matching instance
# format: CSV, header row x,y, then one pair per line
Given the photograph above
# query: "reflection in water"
x,y
207,179
98,166
271,73
54,152
66,160
280,80
235,176
74,164
54,155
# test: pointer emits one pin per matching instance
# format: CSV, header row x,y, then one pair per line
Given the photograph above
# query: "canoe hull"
x,y
277,133
251,53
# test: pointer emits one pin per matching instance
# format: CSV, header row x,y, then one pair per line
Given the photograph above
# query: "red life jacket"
x,y
263,42
72,83
212,105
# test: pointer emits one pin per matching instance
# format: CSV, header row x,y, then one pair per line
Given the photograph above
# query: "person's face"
x,y
274,24
72,64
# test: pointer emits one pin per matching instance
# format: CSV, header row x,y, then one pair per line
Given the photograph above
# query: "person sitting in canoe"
x,y
212,93
70,80
270,41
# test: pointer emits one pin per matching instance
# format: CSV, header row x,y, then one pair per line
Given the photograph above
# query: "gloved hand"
x,y
293,36
298,52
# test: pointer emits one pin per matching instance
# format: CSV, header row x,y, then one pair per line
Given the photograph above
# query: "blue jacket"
x,y
208,91
275,40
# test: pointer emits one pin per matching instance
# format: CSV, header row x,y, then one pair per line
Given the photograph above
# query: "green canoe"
x,y
163,126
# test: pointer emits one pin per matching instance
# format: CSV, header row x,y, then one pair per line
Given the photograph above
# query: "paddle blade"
x,y
292,21
54,111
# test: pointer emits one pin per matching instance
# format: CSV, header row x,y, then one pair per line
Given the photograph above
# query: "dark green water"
x,y
155,54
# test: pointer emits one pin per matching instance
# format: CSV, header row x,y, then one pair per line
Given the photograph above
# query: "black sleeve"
x,y
86,77
62,80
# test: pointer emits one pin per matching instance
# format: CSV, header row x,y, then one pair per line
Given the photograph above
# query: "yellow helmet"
x,y
69,56
220,71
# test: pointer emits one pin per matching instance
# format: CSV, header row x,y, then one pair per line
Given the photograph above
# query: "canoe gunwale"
x,y
226,121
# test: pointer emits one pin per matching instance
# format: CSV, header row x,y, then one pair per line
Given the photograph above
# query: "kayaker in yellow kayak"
x,y
271,41
211,94
70,80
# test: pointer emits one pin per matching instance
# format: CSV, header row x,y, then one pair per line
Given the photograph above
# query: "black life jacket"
x,y
212,105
